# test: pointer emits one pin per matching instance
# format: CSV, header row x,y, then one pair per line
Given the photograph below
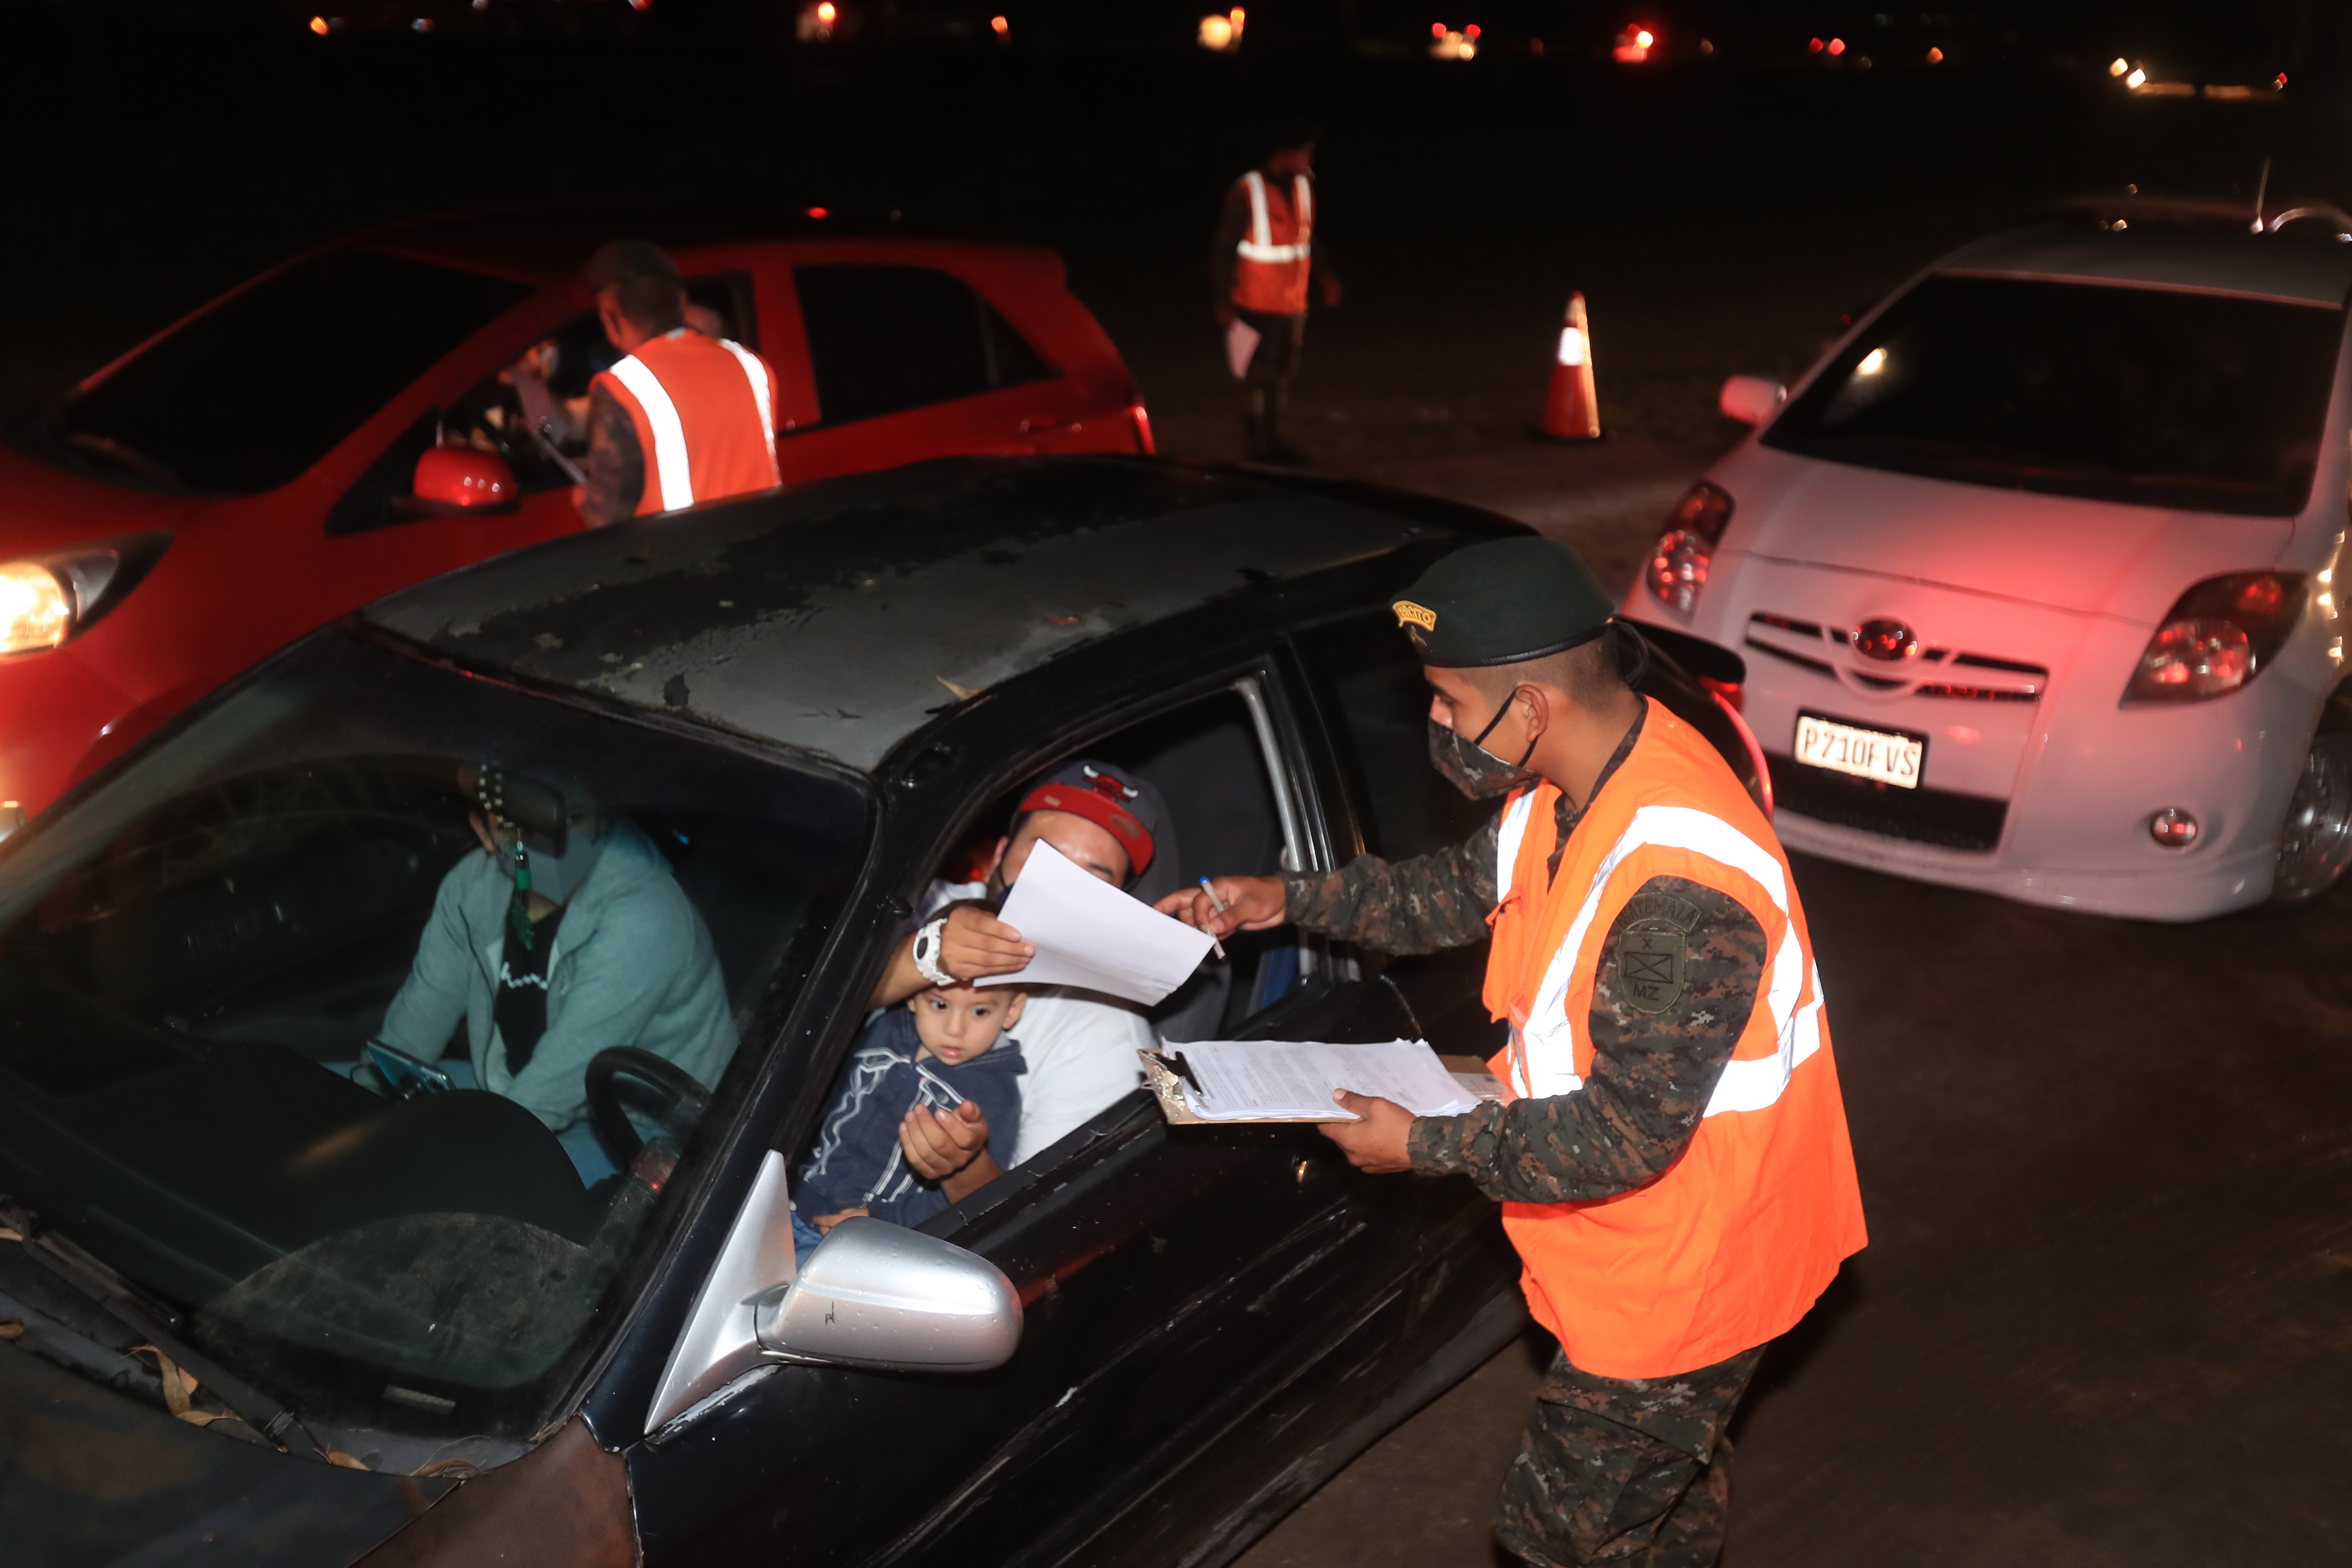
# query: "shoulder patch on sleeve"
x,y
1652,951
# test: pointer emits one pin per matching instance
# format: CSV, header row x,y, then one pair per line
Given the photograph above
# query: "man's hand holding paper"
x,y
1086,933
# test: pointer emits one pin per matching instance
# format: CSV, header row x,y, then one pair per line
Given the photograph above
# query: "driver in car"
x,y
1080,1046
567,934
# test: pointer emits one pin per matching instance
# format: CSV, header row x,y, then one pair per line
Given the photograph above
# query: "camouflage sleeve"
x,y
616,464
1682,970
1414,906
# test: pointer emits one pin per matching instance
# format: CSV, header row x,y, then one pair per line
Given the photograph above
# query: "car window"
x,y
885,338
489,414
246,396
196,957
1371,687
2149,396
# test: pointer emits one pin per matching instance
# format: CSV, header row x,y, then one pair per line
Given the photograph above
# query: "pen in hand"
x,y
1217,904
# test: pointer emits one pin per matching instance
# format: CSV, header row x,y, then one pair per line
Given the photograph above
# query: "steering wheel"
x,y
622,1079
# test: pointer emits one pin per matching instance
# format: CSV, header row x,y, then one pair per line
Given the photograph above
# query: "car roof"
x,y
548,243
2303,270
840,616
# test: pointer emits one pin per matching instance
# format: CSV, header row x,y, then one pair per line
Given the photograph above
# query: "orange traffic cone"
x,y
1572,411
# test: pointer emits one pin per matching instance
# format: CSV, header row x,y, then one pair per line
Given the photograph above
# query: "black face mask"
x,y
1471,768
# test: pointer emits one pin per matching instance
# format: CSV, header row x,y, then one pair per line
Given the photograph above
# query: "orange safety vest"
x,y
1732,1245
1276,254
705,412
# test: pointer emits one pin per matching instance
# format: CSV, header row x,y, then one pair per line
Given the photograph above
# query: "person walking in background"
x,y
1263,260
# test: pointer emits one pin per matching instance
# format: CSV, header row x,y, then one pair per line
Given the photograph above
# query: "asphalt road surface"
x,y
2106,1315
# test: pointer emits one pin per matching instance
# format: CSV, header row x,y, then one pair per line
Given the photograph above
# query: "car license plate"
x,y
1866,754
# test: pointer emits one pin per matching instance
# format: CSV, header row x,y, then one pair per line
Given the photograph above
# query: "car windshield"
x,y
2154,397
195,956
245,396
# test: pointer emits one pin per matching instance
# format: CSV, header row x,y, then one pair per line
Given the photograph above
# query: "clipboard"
x,y
1160,1077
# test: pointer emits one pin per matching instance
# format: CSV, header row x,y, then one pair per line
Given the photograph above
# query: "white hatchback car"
x,y
2034,573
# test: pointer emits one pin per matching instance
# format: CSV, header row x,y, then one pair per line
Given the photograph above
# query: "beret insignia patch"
x,y
1409,613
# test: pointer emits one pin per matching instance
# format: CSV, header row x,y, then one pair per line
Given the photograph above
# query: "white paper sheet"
x,y
1241,346
1089,934
1253,1081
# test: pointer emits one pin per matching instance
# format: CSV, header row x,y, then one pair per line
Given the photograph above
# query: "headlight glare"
x,y
37,609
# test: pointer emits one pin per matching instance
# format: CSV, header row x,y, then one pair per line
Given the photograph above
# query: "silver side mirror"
x,y
873,1295
878,1295
1752,399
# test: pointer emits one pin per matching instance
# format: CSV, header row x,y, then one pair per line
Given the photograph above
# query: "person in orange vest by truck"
x,y
683,418
1670,1146
1263,258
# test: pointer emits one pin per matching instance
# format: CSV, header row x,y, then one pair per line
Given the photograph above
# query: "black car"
x,y
436,1329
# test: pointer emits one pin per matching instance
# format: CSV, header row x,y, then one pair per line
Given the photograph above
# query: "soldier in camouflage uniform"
x,y
1617,1469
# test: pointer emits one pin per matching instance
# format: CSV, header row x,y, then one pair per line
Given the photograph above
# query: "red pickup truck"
x,y
253,471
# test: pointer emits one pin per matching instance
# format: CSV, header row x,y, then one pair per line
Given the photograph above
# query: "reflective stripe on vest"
x,y
1259,246
756,371
1546,1062
669,435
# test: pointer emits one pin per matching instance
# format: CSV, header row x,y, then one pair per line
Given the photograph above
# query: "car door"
x,y
908,362
1177,1281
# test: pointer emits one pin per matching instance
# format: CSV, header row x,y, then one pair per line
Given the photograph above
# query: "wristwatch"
x,y
927,953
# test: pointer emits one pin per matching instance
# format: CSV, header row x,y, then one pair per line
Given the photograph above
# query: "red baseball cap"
x,y
1109,801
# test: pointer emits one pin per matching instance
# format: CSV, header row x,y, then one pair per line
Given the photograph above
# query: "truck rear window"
x,y
247,396
2149,396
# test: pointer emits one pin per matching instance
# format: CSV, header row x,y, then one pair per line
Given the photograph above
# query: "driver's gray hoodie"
x,y
632,966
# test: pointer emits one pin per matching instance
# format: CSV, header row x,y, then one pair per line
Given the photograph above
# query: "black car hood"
x,y
89,1477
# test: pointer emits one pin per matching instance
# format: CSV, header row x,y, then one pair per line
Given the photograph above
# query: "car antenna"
x,y
2261,189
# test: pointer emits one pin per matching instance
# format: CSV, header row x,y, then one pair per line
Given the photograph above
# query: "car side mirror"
x,y
461,480
879,1296
873,1295
1752,399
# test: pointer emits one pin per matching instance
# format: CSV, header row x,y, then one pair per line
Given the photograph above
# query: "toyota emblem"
x,y
1884,639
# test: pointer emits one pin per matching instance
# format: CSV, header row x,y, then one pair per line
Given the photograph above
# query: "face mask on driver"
x,y
1471,768
557,877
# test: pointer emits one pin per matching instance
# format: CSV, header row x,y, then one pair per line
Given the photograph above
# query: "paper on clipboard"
x,y
1241,346
1089,934
1292,1080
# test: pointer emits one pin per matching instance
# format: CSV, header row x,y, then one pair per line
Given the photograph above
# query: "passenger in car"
x,y
1080,1047
566,935
946,1048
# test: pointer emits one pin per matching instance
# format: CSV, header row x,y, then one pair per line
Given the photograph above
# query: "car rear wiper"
x,y
127,1304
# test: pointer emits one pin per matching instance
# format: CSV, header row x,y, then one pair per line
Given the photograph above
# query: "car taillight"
x,y
1677,565
2218,637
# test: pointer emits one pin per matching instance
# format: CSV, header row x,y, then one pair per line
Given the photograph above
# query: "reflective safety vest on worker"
x,y
1731,1245
704,409
1276,253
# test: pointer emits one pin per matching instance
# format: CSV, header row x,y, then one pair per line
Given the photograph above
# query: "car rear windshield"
x,y
196,958
247,396
2154,397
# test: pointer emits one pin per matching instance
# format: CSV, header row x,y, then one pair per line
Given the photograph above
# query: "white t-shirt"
x,y
1079,1047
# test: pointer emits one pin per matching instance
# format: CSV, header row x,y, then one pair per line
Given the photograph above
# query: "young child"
x,y
948,1045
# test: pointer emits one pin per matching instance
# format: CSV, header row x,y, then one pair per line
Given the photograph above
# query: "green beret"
x,y
1503,602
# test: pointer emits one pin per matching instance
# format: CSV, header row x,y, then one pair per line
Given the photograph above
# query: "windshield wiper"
x,y
126,1303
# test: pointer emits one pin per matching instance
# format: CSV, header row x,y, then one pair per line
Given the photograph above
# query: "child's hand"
x,y
938,1143
825,1222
